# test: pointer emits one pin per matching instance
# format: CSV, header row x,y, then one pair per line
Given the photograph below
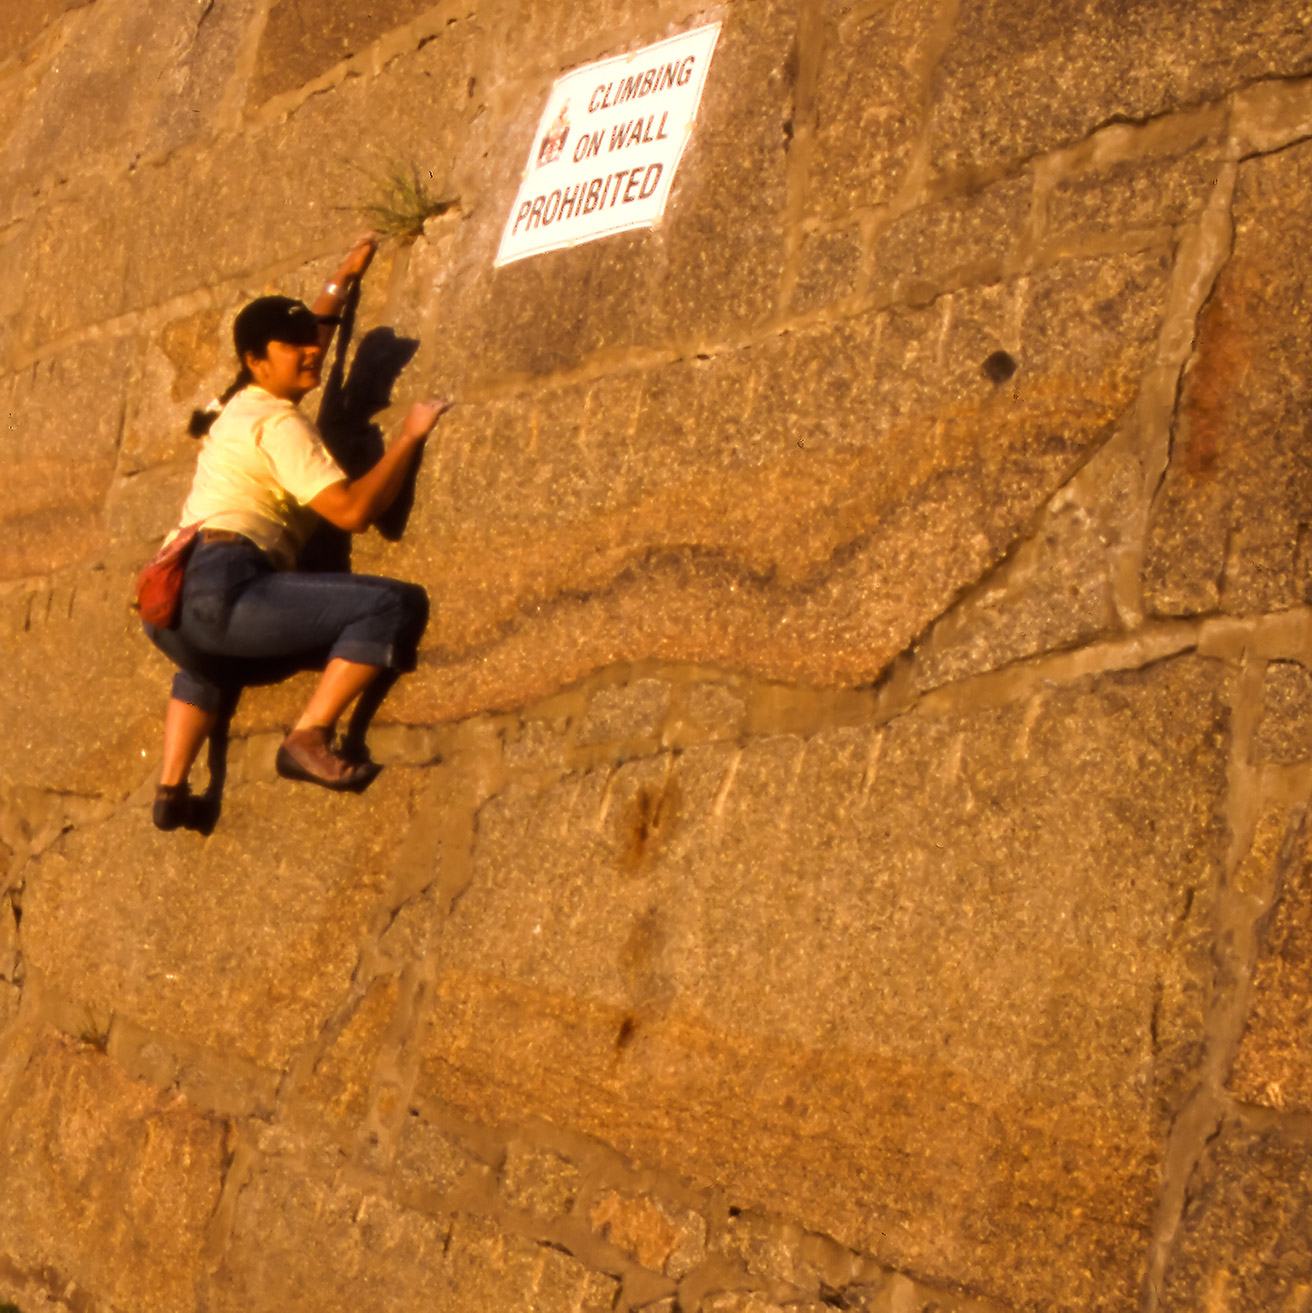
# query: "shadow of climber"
x,y
351,400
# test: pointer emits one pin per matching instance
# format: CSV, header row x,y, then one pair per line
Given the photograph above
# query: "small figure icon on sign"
x,y
553,144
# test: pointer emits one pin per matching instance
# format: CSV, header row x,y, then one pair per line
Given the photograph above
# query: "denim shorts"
x,y
243,622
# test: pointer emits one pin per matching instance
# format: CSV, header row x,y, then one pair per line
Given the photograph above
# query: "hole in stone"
x,y
999,367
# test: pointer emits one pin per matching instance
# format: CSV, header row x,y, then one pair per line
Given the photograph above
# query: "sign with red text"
x,y
605,154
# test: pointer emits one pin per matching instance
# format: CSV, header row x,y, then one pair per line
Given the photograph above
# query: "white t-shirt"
x,y
260,465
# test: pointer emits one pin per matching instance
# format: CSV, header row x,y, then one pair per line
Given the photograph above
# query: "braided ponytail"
x,y
203,420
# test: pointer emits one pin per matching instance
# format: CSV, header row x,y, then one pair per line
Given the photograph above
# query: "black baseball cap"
x,y
275,319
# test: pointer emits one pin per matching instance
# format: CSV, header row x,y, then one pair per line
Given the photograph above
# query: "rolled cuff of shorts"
x,y
386,633
197,692
367,652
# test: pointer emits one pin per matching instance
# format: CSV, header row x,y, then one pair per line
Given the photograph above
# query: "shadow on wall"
x,y
350,402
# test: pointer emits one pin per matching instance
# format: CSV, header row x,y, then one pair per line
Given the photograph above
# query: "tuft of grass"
x,y
401,203
10,1308
94,1035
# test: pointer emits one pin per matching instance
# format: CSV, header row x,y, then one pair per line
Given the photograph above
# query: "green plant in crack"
x,y
402,200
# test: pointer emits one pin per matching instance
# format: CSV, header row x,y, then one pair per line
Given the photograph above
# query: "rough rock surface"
x,y
108,1181
605,925
1230,523
1274,1064
846,841
244,941
1245,1242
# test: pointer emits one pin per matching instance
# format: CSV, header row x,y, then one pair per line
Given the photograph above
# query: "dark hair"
x,y
203,420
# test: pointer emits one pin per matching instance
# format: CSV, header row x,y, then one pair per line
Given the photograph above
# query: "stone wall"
x,y
846,844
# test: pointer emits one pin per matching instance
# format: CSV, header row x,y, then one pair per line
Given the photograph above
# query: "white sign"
x,y
609,142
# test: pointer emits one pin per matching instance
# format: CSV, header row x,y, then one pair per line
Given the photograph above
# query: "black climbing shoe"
x,y
173,806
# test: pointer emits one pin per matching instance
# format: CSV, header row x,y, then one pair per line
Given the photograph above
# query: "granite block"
x,y
1015,82
869,103
302,40
673,940
195,937
1273,1067
109,1182
800,509
1243,1241
1227,525
1284,732
829,265
539,1181
298,1243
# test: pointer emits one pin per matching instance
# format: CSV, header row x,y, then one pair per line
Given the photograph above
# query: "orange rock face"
x,y
844,842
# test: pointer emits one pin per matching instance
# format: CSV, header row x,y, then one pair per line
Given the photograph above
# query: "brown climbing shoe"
x,y
307,754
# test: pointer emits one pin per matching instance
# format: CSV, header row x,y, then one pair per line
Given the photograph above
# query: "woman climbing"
x,y
262,480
